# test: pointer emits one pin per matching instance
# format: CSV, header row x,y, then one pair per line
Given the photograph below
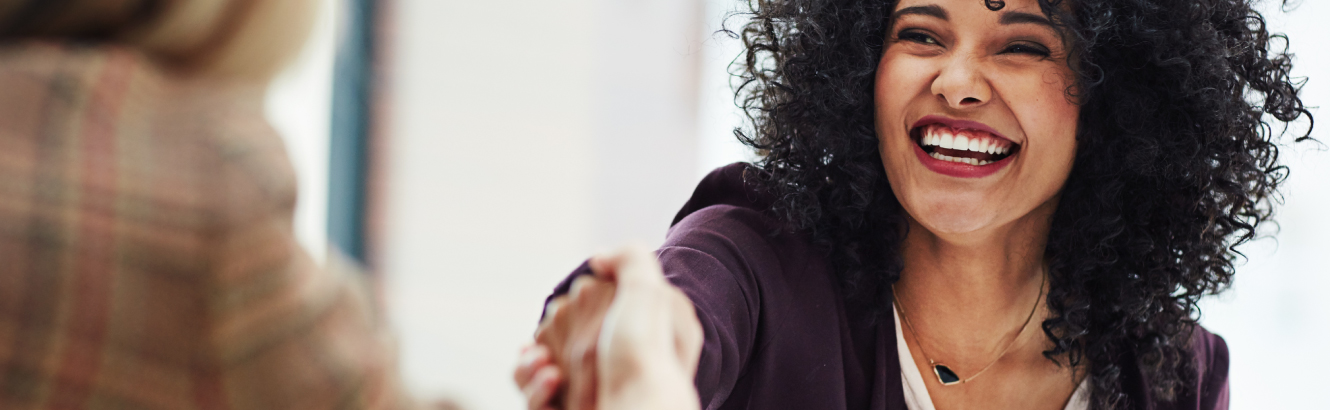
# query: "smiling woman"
x,y
932,169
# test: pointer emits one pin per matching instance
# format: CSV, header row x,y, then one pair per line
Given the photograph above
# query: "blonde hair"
x,y
235,39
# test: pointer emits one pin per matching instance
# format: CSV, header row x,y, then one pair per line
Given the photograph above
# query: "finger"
x,y
580,285
552,328
542,388
580,370
593,293
603,265
552,308
533,358
632,263
638,268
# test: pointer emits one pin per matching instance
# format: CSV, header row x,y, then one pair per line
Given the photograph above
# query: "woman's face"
x,y
975,126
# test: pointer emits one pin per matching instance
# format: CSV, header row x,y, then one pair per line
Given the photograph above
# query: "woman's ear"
x,y
233,40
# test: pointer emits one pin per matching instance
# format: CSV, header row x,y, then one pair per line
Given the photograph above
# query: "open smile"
x,y
960,148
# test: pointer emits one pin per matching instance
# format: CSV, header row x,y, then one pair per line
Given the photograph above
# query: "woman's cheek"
x,y
1056,120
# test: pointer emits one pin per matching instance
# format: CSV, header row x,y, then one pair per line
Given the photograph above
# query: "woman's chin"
x,y
955,220
955,227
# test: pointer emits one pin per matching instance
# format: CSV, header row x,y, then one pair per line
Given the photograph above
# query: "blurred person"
x,y
146,218
963,204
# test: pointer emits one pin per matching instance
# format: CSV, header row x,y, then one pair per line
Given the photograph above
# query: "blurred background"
x,y
472,153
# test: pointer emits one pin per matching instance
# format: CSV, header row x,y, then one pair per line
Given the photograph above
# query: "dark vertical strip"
x,y
351,108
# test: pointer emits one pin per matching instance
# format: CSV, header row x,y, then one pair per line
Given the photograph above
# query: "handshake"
x,y
622,338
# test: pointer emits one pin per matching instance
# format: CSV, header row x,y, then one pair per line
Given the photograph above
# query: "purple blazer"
x,y
778,334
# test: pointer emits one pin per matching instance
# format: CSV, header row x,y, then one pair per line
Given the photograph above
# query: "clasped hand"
x,y
622,338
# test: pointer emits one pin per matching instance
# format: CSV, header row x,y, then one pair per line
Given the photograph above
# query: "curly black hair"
x,y
1176,163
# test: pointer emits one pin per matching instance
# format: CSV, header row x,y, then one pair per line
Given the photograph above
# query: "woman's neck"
x,y
967,294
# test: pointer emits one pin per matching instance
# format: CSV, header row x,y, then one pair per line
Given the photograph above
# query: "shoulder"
x,y
728,233
728,185
729,219
725,204
1211,357
1210,350
1209,389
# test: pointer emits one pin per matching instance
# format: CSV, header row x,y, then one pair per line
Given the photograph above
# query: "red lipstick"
x,y
952,168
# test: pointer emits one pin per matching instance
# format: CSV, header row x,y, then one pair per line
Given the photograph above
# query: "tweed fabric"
x,y
147,258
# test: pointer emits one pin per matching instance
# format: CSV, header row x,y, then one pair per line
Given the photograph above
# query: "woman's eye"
x,y
1031,49
917,37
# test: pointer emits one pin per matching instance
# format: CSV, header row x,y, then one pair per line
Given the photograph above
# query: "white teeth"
x,y
943,137
961,160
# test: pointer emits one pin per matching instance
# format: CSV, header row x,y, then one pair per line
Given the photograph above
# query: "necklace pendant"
x,y
945,375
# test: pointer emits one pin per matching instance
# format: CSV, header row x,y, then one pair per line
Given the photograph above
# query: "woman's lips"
x,y
963,149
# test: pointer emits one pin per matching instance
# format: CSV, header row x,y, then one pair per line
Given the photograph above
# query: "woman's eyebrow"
x,y
1016,17
929,10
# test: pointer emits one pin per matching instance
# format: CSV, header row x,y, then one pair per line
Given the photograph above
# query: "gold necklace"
x,y
944,374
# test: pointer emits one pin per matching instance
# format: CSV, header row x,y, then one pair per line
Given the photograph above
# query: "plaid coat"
x,y
147,259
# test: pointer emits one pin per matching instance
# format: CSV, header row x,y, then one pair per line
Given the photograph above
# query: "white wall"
x,y
527,134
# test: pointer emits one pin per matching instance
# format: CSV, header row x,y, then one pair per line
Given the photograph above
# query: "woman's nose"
x,y
961,85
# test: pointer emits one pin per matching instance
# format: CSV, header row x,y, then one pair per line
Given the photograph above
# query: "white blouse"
x,y
916,392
